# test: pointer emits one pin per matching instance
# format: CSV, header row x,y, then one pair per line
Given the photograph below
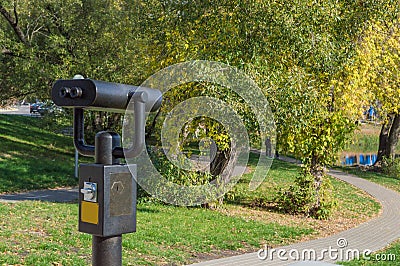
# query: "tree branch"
x,y
14,23
15,13
8,52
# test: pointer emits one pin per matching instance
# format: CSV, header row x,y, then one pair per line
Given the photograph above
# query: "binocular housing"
x,y
102,96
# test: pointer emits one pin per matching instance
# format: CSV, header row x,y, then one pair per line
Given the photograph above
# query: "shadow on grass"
x,y
280,175
32,157
146,209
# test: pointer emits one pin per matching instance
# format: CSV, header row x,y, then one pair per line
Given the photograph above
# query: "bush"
x,y
304,197
391,166
166,189
298,197
176,175
327,201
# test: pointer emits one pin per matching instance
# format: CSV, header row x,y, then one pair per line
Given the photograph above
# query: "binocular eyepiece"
x,y
101,95
74,92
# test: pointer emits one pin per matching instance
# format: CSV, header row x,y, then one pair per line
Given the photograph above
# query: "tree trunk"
x,y
383,141
220,162
318,172
388,138
394,136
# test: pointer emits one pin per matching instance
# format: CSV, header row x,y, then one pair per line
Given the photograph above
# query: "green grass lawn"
x,y
376,177
33,157
41,233
351,201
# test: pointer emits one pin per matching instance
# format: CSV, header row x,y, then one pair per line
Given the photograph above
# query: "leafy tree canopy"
x,y
296,51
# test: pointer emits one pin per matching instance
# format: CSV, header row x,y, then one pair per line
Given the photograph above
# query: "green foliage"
x,y
169,182
327,201
376,66
375,73
298,197
302,197
198,128
175,174
391,166
302,81
296,51
293,49
60,39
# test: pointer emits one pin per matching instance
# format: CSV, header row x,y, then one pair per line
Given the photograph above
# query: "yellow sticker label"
x,y
90,212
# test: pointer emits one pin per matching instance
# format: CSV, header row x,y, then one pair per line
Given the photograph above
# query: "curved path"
x,y
369,236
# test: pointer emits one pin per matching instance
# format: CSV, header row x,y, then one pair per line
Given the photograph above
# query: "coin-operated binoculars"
x,y
107,198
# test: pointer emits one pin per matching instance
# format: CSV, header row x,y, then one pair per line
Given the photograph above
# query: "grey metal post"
x,y
76,163
106,251
77,76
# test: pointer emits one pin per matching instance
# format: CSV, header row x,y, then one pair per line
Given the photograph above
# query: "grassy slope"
x,y
32,157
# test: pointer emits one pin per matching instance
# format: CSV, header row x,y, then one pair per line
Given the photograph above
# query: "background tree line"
x,y
319,63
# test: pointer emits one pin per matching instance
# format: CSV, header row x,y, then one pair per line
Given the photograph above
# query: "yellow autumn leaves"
x,y
374,76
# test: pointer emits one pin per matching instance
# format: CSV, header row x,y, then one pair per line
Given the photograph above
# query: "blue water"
x,y
359,159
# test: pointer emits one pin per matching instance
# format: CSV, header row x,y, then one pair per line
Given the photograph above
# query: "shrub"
x,y
297,198
304,197
176,175
391,166
166,189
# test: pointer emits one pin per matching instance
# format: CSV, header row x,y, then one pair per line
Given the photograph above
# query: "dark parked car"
x,y
38,108
45,108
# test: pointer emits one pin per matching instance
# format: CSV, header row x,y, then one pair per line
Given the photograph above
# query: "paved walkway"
x,y
372,235
18,110
53,195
